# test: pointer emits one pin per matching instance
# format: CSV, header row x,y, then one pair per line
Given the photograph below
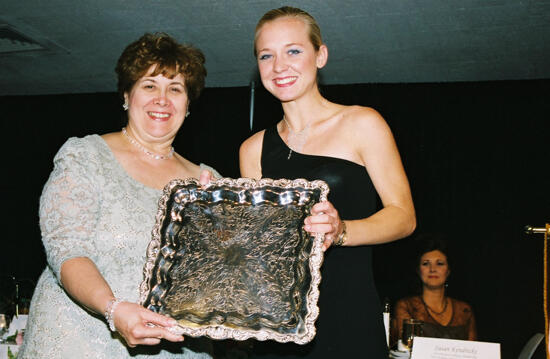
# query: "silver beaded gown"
x,y
90,207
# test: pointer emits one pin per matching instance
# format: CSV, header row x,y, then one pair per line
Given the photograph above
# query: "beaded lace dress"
x,y
90,207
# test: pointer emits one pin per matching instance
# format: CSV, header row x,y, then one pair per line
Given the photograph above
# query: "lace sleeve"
x,y
472,331
69,205
401,311
465,316
215,173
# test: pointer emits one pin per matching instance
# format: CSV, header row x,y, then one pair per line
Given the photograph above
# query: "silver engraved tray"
x,y
232,260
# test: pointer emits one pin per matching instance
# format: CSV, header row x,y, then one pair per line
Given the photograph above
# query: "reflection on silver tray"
x,y
232,260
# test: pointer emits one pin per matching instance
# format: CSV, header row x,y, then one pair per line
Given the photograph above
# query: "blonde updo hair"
x,y
292,12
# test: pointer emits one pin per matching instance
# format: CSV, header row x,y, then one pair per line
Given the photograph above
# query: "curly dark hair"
x,y
168,57
428,242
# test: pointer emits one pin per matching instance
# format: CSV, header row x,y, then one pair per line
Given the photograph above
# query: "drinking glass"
x,y
411,328
3,326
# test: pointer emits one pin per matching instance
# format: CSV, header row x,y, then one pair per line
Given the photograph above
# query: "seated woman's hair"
x,y
169,58
429,242
424,243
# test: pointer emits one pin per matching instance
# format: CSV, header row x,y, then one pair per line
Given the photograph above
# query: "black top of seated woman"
x,y
458,327
350,320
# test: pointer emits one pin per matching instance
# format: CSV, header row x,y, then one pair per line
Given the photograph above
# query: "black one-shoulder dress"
x,y
350,321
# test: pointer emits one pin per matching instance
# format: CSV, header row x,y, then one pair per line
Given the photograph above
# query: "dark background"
x,y
476,154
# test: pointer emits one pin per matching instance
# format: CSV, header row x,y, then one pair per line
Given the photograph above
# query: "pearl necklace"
x,y
156,156
296,139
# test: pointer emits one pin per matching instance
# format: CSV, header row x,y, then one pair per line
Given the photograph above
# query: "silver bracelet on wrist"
x,y
110,312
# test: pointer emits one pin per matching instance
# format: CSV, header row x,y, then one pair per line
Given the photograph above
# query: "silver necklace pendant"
x,y
296,140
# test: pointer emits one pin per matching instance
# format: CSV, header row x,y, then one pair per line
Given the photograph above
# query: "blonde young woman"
x,y
353,150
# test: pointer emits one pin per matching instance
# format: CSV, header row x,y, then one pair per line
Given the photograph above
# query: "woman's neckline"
x,y
314,156
121,168
434,319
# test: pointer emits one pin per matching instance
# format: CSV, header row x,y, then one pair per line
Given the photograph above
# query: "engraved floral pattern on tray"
x,y
232,260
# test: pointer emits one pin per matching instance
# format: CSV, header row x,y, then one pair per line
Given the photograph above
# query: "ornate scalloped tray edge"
x,y
231,260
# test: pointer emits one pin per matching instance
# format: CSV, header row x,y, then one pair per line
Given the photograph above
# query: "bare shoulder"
x,y
250,156
253,142
365,130
364,119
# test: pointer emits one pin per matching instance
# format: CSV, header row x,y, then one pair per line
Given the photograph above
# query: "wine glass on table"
x,y
411,328
3,326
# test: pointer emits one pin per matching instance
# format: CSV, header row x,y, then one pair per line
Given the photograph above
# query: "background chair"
x,y
531,346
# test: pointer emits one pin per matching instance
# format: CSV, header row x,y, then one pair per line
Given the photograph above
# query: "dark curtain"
x,y
476,155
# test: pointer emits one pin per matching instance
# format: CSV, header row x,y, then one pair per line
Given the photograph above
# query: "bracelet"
x,y
342,237
110,312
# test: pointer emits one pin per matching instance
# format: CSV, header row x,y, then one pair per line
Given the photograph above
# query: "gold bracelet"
x,y
342,237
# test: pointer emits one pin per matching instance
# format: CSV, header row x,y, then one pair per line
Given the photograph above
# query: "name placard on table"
x,y
437,348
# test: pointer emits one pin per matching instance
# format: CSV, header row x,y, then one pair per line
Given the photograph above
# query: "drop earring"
x,y
187,114
125,106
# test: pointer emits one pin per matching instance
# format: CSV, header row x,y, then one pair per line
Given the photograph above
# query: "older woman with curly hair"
x,y
97,211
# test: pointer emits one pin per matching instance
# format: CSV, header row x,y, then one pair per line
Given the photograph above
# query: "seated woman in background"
x,y
443,317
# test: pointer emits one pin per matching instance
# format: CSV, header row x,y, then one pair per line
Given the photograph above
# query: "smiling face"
x,y
434,269
156,107
287,60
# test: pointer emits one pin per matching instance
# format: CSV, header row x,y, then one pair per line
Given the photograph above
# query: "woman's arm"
x,y
85,284
250,156
82,280
69,210
369,135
